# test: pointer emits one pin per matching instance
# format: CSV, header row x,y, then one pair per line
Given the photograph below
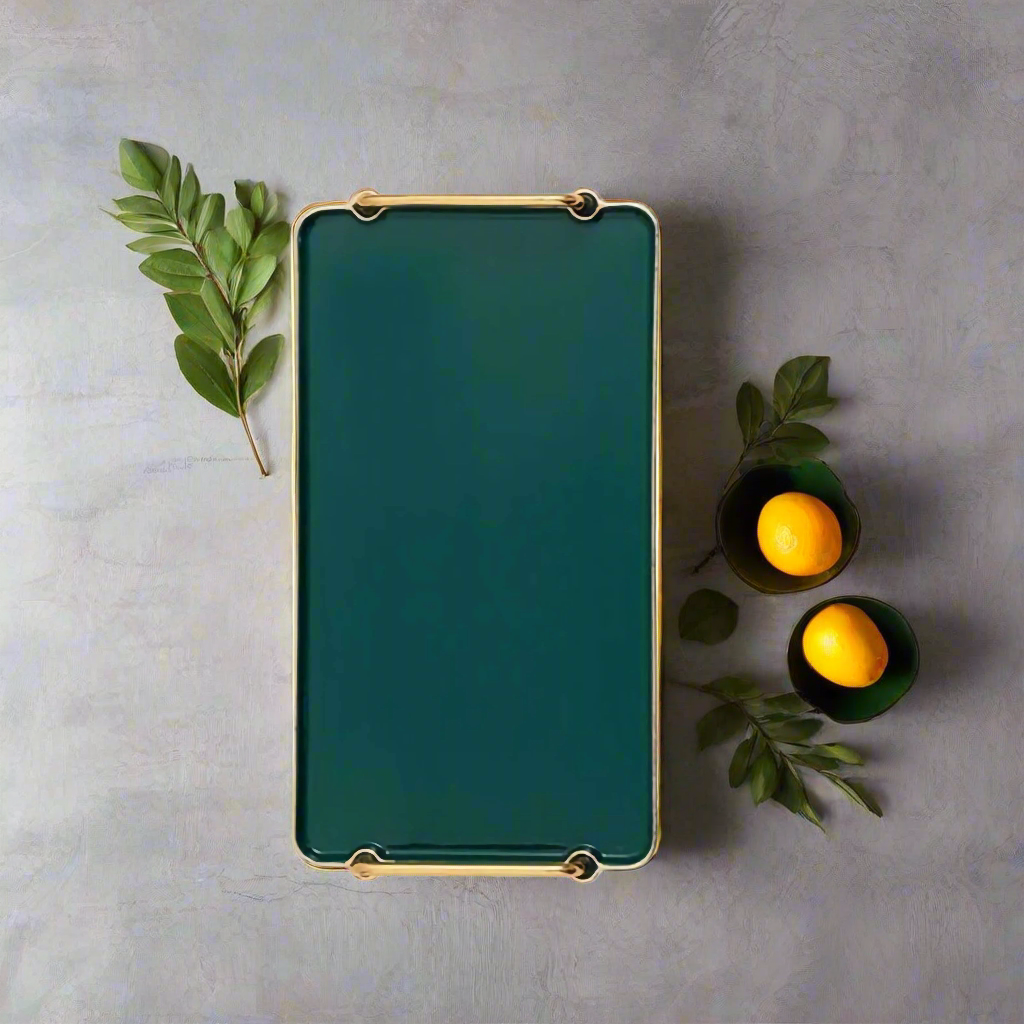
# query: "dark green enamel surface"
x,y
846,704
474,517
740,507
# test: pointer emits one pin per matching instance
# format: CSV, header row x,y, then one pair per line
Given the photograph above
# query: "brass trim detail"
x,y
583,204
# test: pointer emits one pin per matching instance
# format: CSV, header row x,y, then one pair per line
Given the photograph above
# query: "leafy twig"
x,y
220,284
800,392
773,751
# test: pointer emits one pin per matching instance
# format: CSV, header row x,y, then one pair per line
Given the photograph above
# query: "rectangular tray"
x,y
477,504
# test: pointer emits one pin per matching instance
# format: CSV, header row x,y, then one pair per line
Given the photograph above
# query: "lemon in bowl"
x,y
799,534
815,529
852,658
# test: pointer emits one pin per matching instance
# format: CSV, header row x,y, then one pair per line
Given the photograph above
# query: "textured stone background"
x,y
838,177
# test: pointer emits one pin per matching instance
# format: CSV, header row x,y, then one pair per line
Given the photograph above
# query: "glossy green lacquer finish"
x,y
847,704
474,521
739,509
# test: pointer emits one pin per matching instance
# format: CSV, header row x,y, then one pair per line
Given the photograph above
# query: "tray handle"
x,y
583,204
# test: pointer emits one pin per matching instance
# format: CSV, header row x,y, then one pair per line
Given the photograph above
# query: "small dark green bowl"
x,y
846,704
740,508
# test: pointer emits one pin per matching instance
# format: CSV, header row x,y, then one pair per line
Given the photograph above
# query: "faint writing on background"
x,y
186,462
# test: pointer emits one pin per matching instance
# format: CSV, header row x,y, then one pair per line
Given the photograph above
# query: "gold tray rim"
x,y
365,863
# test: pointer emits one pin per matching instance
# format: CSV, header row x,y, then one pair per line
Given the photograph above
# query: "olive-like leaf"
x,y
812,407
258,200
188,193
147,224
817,762
256,273
265,297
856,792
719,725
169,185
840,752
793,730
194,319
205,371
792,703
270,208
211,215
749,411
243,191
707,617
137,166
260,365
733,688
240,224
792,795
800,382
739,766
219,312
764,777
801,438
272,240
221,252
177,269
153,243
142,205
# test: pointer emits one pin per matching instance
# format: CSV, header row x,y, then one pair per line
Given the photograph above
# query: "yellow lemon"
x,y
799,534
842,644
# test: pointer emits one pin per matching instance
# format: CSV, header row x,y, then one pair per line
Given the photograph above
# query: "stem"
x,y
236,356
705,560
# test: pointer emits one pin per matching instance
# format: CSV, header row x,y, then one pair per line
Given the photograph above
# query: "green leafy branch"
x,y
221,284
774,752
778,434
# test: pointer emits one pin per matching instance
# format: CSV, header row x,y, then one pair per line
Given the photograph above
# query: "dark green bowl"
x,y
846,704
740,507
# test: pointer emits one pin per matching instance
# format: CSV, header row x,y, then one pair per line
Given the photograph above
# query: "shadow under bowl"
x,y
740,508
846,704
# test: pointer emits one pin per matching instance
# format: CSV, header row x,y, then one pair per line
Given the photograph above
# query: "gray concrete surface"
x,y
835,177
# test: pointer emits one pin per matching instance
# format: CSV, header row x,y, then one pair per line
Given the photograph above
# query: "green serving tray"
x,y
477,521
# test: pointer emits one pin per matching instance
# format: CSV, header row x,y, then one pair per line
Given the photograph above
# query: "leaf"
x,y
258,200
153,243
221,252
256,272
211,215
749,411
739,766
192,316
265,297
219,312
243,191
206,373
801,438
707,617
718,725
260,365
856,792
158,155
800,382
794,730
272,240
816,762
792,703
733,688
142,205
270,209
792,795
764,777
240,223
137,167
169,185
177,269
147,225
840,752
188,194
813,407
